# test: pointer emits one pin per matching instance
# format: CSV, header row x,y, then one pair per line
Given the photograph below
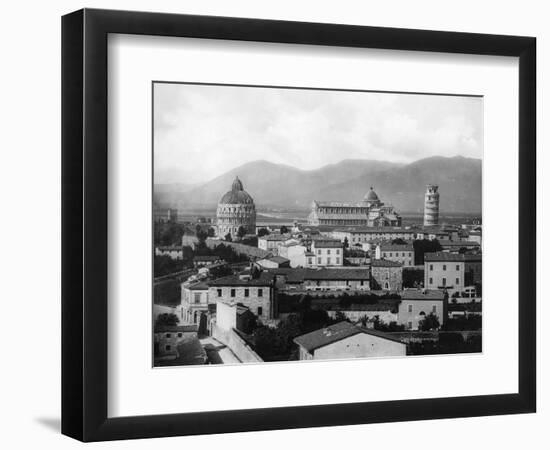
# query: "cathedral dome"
x,y
237,195
371,196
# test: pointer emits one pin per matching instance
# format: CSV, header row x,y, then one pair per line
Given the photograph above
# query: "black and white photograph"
x,y
298,224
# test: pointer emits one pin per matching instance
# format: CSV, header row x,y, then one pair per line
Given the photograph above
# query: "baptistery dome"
x,y
236,209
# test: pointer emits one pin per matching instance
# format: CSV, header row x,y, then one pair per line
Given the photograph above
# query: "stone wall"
x,y
393,276
236,344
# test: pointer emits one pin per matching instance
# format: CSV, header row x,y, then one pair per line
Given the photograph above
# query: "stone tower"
x,y
431,205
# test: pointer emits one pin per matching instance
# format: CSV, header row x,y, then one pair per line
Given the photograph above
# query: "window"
x,y
318,252
246,292
219,292
328,252
260,310
337,260
457,267
444,281
310,261
337,251
318,260
197,297
168,347
328,260
410,308
232,292
391,254
431,267
168,335
180,335
444,266
260,292
403,254
409,325
434,309
410,264
457,281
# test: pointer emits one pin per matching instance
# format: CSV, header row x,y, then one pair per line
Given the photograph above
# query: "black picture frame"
x,y
84,224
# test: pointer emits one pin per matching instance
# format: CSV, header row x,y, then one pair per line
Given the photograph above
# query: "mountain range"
x,y
282,186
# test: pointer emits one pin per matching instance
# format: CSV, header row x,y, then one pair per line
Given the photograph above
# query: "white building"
x,y
401,253
327,253
344,340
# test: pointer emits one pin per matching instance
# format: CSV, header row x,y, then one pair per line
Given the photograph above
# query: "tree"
x,y
167,320
263,232
228,237
341,317
422,246
211,232
241,232
346,243
284,229
429,323
398,241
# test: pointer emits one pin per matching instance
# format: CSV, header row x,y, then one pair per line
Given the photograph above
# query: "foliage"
x,y
413,278
380,325
398,241
346,243
167,320
284,229
429,323
468,322
164,265
211,232
241,232
169,233
228,237
263,232
422,246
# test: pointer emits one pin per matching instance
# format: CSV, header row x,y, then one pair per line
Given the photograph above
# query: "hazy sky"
x,y
204,131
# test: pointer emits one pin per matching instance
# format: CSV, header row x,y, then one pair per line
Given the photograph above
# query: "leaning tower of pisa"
x,y
431,205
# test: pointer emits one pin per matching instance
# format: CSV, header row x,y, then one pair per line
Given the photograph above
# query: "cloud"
x,y
201,131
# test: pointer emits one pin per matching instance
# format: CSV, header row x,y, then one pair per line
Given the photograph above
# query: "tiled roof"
x,y
275,237
327,243
200,286
206,258
333,333
169,248
176,328
385,263
448,243
453,257
375,230
278,259
426,294
327,273
396,247
265,279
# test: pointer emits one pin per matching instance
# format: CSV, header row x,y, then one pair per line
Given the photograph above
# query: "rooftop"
x,y
448,243
418,294
176,328
385,263
374,230
200,286
328,273
327,243
396,247
206,258
275,237
265,279
453,257
334,333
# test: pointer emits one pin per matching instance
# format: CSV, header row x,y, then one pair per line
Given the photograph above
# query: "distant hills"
x,y
281,186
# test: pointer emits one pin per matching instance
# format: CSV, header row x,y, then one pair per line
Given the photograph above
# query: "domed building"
x,y
236,209
370,212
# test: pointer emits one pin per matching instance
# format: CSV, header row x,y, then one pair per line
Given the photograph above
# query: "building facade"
x,y
451,272
370,212
257,294
358,236
386,275
194,302
327,253
401,253
236,209
431,205
417,304
345,340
